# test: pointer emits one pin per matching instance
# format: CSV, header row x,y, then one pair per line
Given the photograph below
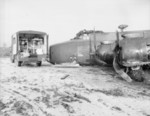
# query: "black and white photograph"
x,y
74,57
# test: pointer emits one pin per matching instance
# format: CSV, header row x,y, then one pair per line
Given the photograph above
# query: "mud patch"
x,y
2,105
22,107
116,108
114,92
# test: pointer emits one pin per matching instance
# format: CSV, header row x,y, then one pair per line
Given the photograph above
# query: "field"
x,y
50,90
5,51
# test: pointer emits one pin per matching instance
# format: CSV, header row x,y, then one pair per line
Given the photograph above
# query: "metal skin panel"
x,y
68,51
83,52
61,53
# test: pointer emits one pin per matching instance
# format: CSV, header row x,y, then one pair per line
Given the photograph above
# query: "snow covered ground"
x,y
58,91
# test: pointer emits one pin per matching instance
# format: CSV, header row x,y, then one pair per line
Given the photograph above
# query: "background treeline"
x,y
5,51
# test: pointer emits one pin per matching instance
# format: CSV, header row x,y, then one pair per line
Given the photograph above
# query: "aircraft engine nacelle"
x,y
105,52
132,55
134,51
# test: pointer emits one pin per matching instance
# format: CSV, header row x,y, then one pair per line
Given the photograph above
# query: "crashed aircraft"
x,y
127,51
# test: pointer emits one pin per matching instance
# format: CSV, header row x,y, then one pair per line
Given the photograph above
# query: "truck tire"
x,y
12,59
39,63
19,63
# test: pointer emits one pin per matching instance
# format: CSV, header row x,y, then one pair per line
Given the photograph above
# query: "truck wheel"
x,y
19,63
12,59
39,63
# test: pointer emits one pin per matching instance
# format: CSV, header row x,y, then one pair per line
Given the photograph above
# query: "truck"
x,y
29,46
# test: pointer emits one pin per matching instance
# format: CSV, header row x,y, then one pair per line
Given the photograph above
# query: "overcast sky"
x,y
62,19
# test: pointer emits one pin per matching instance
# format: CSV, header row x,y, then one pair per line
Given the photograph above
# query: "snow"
x,y
85,91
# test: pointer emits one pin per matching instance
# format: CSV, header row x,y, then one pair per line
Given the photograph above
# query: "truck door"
x,y
14,45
